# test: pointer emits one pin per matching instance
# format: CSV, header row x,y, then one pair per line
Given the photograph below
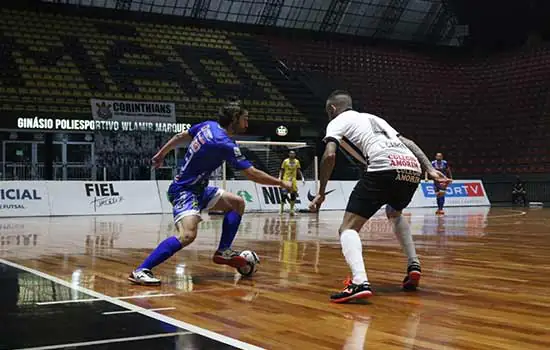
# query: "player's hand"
x,y
157,161
439,177
316,203
287,185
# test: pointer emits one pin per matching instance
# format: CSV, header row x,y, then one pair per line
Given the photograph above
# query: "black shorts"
x,y
393,187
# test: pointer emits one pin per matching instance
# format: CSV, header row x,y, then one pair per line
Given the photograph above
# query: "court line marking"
x,y
132,311
514,213
177,323
90,300
107,341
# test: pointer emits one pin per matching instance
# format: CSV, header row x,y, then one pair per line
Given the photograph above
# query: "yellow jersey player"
x,y
290,167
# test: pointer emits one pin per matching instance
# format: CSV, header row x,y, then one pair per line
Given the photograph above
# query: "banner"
x,y
23,198
460,193
55,198
133,111
97,198
40,123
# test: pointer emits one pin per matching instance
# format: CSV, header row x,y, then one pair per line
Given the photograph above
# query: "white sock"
x,y
353,252
403,234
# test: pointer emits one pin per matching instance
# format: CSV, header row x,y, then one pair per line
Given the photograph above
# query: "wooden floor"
x,y
485,283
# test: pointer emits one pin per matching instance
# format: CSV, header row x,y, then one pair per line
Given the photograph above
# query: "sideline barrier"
x,y
54,198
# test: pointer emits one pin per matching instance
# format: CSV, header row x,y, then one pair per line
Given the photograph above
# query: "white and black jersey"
x,y
372,141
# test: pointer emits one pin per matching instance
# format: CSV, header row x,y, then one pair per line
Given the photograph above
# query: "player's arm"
x,y
335,132
421,156
239,162
176,140
300,174
299,171
263,178
327,164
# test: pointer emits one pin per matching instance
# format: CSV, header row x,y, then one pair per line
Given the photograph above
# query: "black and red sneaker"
x,y
411,281
229,257
352,291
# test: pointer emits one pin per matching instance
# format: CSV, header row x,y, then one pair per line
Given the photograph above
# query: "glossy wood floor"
x,y
485,284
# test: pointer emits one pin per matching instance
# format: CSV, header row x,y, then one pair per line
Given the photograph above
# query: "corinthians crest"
x,y
104,110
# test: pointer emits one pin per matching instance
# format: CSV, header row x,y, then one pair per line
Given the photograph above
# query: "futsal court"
x,y
484,284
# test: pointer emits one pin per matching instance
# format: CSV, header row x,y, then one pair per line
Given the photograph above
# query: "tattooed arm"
x,y
424,161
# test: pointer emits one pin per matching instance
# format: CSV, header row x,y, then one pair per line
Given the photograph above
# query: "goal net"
x,y
268,156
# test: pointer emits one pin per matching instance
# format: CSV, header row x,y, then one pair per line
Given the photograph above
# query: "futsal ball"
x,y
252,260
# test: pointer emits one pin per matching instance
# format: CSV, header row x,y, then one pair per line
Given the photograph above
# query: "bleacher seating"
x,y
487,114
54,63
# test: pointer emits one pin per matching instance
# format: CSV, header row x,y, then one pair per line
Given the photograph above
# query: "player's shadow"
x,y
393,290
359,302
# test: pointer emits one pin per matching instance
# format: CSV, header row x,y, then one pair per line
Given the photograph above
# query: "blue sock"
x,y
165,249
231,222
440,202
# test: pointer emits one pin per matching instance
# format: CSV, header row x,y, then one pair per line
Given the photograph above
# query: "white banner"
x,y
23,198
44,198
162,188
248,191
461,193
100,198
133,111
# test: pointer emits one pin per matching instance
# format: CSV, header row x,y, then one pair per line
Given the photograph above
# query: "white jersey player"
x,y
394,167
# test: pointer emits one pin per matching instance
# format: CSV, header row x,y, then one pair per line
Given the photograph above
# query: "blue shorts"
x,y
191,202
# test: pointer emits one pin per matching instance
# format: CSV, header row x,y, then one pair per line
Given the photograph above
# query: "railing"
x,y
10,171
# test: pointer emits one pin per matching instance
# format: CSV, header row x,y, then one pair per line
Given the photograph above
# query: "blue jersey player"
x,y
441,165
189,193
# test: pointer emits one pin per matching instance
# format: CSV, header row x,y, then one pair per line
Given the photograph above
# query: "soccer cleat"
x,y
411,281
229,257
144,277
352,291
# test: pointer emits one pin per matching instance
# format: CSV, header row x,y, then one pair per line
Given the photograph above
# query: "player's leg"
x,y
364,201
402,194
293,195
187,217
440,198
284,195
403,234
233,207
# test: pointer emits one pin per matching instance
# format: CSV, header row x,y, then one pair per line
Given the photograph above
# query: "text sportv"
x,y
471,189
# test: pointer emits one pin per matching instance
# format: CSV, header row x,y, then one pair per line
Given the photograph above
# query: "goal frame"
x,y
290,145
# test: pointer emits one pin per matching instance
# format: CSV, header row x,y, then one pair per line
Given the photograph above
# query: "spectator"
x,y
519,193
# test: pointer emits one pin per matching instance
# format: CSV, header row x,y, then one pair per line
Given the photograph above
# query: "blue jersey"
x,y
206,152
442,166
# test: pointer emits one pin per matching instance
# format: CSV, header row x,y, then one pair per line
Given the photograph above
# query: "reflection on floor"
x,y
472,258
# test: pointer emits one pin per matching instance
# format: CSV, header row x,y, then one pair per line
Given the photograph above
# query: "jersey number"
x,y
377,128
